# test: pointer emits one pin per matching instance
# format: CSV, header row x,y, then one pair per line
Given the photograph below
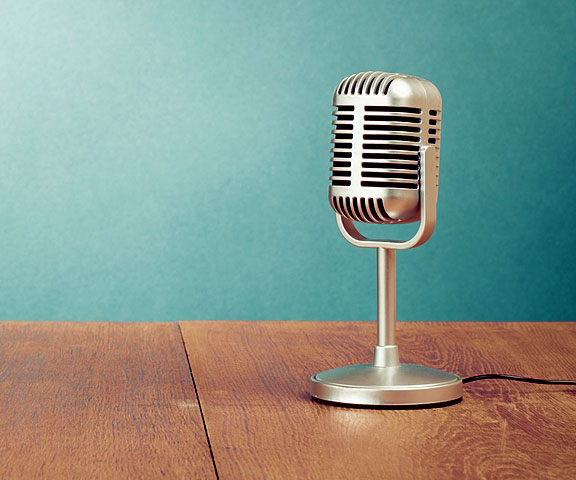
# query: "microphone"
x,y
382,121
385,164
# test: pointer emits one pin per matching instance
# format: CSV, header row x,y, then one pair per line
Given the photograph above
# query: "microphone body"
x,y
382,122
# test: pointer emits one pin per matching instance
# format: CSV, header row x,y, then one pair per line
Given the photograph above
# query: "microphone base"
x,y
403,385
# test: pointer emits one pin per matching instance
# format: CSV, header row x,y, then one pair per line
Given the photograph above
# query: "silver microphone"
x,y
385,162
382,122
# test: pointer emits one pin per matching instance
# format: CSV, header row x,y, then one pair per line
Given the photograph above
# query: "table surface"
x,y
229,400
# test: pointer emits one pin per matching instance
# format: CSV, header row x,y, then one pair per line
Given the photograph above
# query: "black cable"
x,y
500,376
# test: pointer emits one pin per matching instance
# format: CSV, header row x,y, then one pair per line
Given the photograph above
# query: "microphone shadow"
x,y
387,407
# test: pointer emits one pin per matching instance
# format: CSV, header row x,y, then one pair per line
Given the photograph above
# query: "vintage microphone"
x,y
385,170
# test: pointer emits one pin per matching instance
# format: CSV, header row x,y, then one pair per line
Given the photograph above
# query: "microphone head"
x,y
382,121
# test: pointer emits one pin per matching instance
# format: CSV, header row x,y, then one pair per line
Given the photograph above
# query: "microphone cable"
x,y
502,376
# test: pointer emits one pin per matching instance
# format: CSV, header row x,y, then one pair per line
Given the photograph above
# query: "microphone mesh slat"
x,y
360,212
342,145
401,175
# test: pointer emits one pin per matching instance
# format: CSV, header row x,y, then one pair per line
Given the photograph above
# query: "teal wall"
x,y
168,160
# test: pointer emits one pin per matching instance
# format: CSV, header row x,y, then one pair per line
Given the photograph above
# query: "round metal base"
x,y
402,385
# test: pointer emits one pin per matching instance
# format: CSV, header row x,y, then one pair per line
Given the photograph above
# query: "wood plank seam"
x,y
199,403
98,400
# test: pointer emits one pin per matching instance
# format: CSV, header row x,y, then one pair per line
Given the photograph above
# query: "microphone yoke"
x,y
382,121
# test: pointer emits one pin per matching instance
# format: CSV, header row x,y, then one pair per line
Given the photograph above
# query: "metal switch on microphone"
x,y
385,164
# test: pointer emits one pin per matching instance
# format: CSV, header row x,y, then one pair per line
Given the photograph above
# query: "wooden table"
x,y
230,400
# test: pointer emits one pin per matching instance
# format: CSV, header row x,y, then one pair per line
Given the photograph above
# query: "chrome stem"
x,y
386,350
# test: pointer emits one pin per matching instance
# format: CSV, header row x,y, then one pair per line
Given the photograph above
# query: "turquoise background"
x,y
168,160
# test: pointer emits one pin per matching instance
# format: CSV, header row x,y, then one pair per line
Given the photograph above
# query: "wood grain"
x,y
98,400
252,381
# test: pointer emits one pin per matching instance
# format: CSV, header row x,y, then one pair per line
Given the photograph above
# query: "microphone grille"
x,y
381,122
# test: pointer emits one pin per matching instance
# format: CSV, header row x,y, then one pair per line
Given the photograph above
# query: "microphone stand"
x,y
387,381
